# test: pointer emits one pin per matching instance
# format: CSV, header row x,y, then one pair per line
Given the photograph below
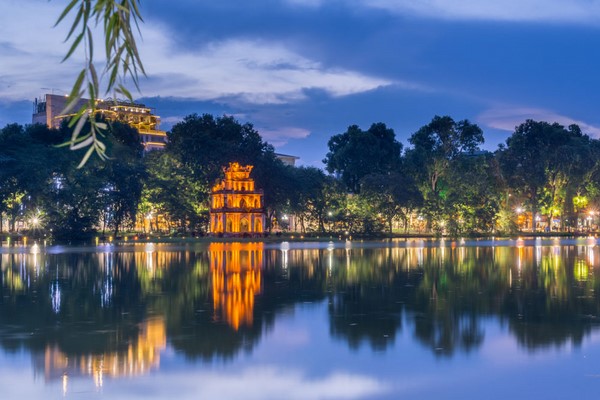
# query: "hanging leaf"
x,y
121,55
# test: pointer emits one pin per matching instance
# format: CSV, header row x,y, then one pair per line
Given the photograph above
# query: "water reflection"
x,y
112,313
138,358
236,279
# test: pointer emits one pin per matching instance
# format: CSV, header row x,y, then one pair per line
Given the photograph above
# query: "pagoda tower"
x,y
236,207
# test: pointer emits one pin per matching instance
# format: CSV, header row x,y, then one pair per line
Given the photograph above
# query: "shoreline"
x,y
7,240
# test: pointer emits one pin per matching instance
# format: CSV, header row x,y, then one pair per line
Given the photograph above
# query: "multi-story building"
x,y
236,207
49,111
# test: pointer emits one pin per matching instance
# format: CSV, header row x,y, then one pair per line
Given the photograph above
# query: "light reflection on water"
x,y
302,320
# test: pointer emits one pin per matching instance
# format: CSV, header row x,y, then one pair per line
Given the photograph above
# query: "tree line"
x,y
546,176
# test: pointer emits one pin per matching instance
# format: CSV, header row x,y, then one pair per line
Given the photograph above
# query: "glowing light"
x,y
236,270
236,207
65,384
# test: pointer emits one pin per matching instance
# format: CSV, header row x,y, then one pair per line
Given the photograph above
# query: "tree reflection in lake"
x,y
123,306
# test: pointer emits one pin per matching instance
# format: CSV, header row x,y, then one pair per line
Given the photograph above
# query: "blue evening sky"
x,y
303,70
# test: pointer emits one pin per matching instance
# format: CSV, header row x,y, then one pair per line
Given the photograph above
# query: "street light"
x,y
590,219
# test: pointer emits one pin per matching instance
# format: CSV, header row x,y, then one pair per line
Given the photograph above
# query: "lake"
x,y
427,319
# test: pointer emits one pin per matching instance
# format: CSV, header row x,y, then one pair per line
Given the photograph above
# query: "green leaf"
x,y
66,11
75,23
123,90
95,82
73,46
80,122
84,143
86,157
90,44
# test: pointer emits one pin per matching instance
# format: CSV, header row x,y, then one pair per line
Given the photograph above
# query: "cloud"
x,y
507,118
172,120
260,382
31,50
572,11
254,71
280,136
287,384
234,69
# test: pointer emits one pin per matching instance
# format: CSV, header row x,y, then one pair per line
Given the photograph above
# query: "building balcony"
x,y
236,210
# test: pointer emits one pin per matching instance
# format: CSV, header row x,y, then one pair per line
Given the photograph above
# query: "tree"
x,y
392,195
125,174
203,145
277,182
25,168
357,153
542,162
173,190
38,178
473,197
76,198
314,196
207,144
435,148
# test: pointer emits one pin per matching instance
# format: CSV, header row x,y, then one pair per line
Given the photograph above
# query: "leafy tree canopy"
x,y
357,153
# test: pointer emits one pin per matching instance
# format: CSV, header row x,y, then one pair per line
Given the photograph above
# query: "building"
x,y
287,159
236,207
49,111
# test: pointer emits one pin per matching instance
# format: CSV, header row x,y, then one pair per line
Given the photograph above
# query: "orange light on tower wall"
x,y
236,271
236,206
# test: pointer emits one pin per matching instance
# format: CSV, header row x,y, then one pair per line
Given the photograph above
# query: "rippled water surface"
x,y
453,319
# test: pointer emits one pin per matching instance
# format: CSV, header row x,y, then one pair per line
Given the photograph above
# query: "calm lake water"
x,y
405,319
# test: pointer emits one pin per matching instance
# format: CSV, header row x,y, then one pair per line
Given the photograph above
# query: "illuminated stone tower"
x,y
236,207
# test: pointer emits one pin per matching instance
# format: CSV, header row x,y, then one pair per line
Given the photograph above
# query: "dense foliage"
x,y
546,176
42,189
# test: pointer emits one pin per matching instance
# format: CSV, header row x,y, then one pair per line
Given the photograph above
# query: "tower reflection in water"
x,y
140,357
236,279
